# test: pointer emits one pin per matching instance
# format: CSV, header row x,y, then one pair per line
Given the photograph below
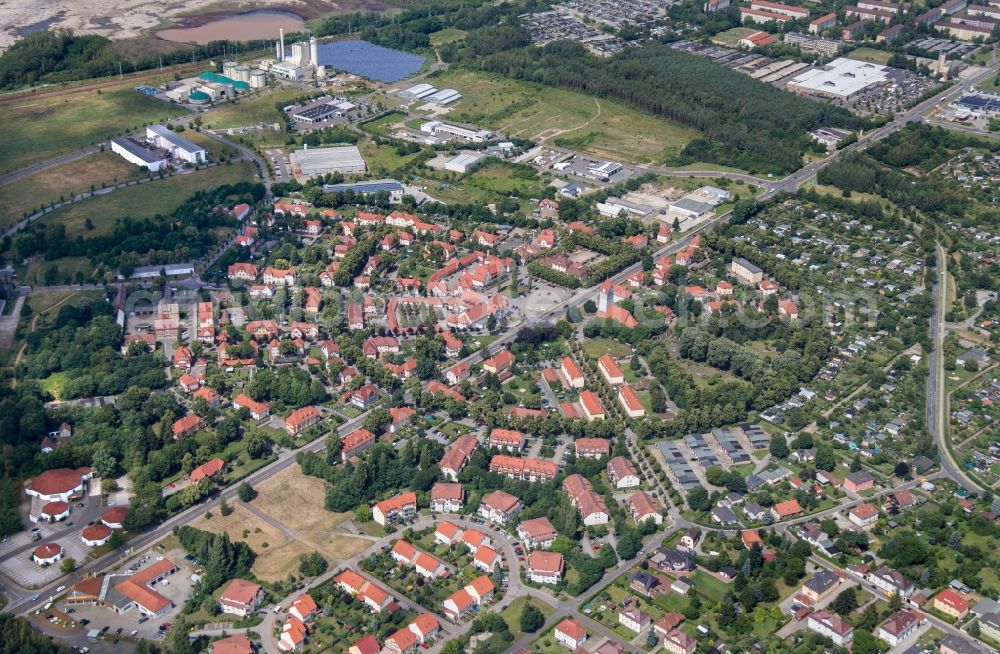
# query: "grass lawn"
x,y
145,200
54,383
43,302
512,614
64,181
708,586
383,161
601,127
731,37
66,270
870,54
855,195
598,347
256,109
446,36
382,125
38,129
488,184
213,148
989,84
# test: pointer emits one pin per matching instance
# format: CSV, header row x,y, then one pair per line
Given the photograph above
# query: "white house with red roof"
x,y
545,567
447,497
570,633
241,597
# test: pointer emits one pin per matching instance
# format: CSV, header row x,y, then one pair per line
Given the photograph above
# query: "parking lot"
x,y
280,163
899,93
542,299
15,553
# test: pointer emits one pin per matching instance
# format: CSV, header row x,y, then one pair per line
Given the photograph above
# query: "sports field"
x,y
143,201
601,127
63,181
38,129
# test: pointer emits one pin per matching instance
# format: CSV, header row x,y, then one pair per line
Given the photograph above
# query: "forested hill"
x,y
53,56
746,123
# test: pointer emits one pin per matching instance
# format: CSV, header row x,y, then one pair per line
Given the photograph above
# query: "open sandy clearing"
x,y
291,495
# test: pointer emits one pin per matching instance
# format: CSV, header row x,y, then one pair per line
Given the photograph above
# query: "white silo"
x,y
313,52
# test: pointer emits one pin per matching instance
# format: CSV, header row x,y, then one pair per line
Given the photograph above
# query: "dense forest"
x,y
895,168
924,147
82,344
745,123
861,173
60,55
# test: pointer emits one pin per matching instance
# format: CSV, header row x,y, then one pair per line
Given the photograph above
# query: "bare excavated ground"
x,y
132,19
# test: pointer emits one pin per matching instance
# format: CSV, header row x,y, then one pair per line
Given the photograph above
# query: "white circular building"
x,y
47,554
96,535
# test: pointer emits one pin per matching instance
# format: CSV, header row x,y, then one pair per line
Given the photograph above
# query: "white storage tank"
x,y
258,79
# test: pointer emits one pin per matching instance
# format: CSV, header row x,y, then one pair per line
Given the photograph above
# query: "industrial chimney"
x,y
281,44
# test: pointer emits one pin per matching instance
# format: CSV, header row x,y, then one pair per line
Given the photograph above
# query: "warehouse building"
x,y
464,162
841,79
317,114
137,153
346,160
178,146
418,92
444,97
446,131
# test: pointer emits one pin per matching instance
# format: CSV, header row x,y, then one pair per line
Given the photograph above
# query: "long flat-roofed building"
x,y
345,159
841,79
138,154
178,146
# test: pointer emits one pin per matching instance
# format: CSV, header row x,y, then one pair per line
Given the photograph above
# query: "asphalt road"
x,y
31,170
937,394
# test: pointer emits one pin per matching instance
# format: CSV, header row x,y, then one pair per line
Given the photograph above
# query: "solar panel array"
x,y
369,60
758,437
978,102
363,187
678,465
702,452
731,446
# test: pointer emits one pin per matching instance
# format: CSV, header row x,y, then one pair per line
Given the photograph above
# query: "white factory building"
x,y
138,154
841,79
346,160
445,131
430,94
178,146
464,162
297,62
